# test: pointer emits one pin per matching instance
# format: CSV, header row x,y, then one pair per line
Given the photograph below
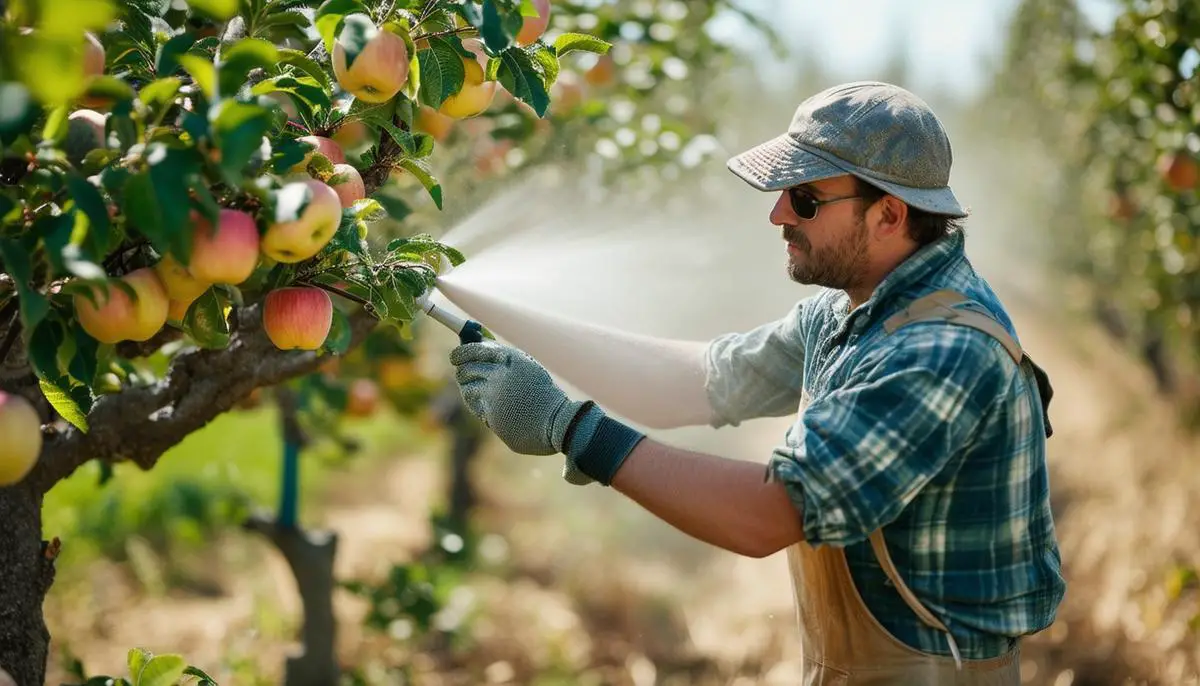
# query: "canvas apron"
x,y
842,642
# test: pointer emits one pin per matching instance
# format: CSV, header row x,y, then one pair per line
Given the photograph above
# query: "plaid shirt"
x,y
931,432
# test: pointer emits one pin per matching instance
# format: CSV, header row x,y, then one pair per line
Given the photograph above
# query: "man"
x,y
911,493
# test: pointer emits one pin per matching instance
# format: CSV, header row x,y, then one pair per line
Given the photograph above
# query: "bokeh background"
x,y
466,564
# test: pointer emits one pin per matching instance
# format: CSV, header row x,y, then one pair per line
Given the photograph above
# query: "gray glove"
x,y
514,396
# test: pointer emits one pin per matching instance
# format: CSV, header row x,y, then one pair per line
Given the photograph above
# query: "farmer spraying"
x,y
911,492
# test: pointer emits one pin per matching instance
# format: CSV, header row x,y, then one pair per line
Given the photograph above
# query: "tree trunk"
x,y
26,573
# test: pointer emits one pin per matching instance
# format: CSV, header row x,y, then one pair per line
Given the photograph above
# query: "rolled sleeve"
x,y
859,454
758,373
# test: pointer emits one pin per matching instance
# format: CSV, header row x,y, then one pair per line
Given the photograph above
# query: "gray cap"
x,y
879,132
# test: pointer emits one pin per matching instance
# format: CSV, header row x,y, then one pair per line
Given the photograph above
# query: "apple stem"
x,y
338,291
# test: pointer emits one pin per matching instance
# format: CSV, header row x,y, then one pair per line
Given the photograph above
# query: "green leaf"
x,y
51,68
220,10
203,72
69,18
306,64
55,231
89,201
84,363
17,260
166,62
239,129
18,111
328,19
161,93
44,344
205,321
110,88
338,340
571,42
546,61
137,659
305,88
199,674
442,72
500,24
56,127
520,77
347,237
64,403
420,169
238,59
162,670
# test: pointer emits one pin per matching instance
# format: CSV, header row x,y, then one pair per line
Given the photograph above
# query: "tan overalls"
x,y
842,643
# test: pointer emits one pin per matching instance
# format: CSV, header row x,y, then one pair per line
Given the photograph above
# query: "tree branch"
x,y
140,424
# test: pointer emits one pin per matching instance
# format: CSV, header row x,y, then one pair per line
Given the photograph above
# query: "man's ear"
x,y
893,217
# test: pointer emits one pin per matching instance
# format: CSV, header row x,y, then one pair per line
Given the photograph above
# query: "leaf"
x,y
44,343
166,61
161,670
442,72
69,18
347,238
238,59
52,69
328,19
500,24
203,72
520,77
18,111
64,404
33,305
338,340
89,201
55,129
239,129
572,42
161,93
110,88
220,10
420,169
199,674
306,64
84,363
206,322
305,88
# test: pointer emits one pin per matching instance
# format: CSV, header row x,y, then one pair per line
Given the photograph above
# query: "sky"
x,y
947,41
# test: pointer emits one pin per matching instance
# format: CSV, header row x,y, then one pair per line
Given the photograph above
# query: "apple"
x,y
22,431
227,255
567,92
297,317
326,146
603,73
362,398
1179,170
180,284
379,70
352,189
476,94
532,28
396,372
303,237
117,317
93,56
351,134
434,123
85,133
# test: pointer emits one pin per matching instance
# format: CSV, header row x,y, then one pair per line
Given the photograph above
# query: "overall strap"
x,y
910,599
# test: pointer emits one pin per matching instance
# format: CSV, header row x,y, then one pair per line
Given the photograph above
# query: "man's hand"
x,y
514,396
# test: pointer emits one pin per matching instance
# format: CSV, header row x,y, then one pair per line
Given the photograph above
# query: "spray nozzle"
x,y
468,330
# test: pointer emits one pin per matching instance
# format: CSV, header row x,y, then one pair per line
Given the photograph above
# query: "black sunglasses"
x,y
805,205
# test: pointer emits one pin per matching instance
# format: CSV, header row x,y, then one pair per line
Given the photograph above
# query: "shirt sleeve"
x,y
758,373
861,453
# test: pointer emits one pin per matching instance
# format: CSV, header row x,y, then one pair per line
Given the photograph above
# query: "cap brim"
x,y
783,163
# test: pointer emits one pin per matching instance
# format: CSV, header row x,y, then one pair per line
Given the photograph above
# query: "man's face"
x,y
831,249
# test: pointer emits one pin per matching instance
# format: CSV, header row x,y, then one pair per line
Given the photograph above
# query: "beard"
x,y
839,266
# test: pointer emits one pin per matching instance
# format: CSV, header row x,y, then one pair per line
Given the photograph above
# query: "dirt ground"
x,y
593,591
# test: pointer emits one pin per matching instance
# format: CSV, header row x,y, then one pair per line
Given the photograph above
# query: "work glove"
x,y
514,396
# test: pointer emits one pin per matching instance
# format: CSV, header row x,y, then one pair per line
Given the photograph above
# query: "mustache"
x,y
791,234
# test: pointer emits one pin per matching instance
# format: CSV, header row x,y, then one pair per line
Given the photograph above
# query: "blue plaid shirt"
x,y
931,432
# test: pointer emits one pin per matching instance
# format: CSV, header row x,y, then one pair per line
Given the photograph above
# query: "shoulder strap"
x,y
945,305
879,547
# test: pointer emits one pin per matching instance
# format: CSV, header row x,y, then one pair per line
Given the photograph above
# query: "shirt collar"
x,y
925,261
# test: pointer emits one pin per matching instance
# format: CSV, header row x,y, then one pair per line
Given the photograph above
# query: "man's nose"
x,y
782,213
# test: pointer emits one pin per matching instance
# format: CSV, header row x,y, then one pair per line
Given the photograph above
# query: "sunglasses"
x,y
805,205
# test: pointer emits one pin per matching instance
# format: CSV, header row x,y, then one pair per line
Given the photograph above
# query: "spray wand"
x,y
468,330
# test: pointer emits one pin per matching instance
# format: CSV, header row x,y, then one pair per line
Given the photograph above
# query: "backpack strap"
x,y
947,305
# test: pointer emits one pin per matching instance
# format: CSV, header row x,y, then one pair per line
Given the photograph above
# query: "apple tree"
x,y
173,190
1119,106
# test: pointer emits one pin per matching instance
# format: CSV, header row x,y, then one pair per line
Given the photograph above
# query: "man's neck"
x,y
876,273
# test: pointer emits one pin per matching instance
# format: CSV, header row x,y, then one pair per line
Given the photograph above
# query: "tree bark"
x,y
26,572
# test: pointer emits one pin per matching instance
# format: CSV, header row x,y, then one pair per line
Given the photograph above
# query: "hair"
x,y
923,227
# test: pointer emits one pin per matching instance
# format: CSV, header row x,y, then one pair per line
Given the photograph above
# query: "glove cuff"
x,y
597,444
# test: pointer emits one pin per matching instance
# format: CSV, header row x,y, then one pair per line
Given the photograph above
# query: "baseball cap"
x,y
876,131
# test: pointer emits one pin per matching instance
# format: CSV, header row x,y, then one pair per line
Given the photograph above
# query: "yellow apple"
x,y
22,443
117,317
379,70
303,237
476,94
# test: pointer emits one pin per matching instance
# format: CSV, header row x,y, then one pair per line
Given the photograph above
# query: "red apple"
x,y
351,134
85,133
93,56
22,431
116,317
434,123
379,70
326,146
303,237
297,317
352,189
532,28
362,398
227,255
1179,170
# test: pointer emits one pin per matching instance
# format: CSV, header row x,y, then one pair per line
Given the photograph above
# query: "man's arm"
x,y
723,502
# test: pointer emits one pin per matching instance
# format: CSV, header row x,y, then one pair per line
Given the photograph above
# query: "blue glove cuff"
x,y
598,444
